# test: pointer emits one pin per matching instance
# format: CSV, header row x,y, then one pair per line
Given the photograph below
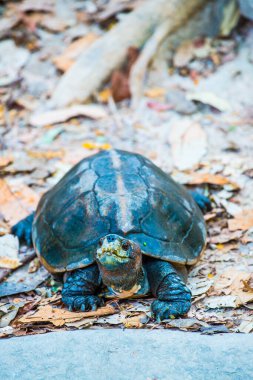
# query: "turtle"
x,y
116,225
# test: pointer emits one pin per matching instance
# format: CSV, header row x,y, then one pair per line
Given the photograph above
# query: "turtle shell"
x,y
122,193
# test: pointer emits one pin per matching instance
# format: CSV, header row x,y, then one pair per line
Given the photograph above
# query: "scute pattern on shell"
x,y
116,192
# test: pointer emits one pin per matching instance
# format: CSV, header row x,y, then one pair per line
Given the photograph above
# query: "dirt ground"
x,y
194,120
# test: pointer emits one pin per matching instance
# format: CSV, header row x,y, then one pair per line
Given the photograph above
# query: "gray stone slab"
x,y
124,355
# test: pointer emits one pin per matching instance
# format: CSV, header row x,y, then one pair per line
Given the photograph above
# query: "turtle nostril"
x,y
110,238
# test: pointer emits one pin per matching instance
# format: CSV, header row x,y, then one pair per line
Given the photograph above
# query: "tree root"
x,y
95,65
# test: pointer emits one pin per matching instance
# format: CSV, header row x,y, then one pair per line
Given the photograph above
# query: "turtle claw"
x,y
83,307
168,310
83,303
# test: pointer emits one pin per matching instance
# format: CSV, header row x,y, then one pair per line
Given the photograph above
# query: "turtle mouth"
x,y
114,253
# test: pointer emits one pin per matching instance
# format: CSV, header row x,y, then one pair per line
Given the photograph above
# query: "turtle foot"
x,y
202,201
83,303
23,229
173,298
166,310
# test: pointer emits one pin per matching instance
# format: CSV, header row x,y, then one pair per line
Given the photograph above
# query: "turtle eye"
x,y
125,245
100,243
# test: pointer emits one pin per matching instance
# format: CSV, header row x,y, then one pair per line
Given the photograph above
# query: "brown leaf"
x,y
242,221
211,179
16,203
155,92
46,154
120,78
59,317
137,321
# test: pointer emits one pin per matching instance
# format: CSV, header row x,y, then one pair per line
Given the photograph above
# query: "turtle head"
x,y
119,260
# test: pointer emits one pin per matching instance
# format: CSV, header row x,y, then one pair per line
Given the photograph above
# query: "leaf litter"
x,y
188,123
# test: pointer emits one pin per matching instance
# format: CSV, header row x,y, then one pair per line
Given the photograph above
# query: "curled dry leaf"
x,y
59,317
57,116
137,321
241,221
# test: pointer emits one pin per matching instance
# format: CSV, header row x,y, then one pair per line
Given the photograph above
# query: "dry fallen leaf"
x,y
9,247
104,95
188,143
46,154
210,99
155,92
92,111
83,323
222,301
246,326
199,286
59,317
242,221
39,5
225,236
16,202
5,331
211,179
185,323
137,321
232,282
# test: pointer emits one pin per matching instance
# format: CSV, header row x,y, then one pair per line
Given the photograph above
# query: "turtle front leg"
x,y
202,201
173,296
23,229
80,289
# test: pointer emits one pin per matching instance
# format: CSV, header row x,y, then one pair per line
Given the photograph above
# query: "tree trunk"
x,y
95,65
